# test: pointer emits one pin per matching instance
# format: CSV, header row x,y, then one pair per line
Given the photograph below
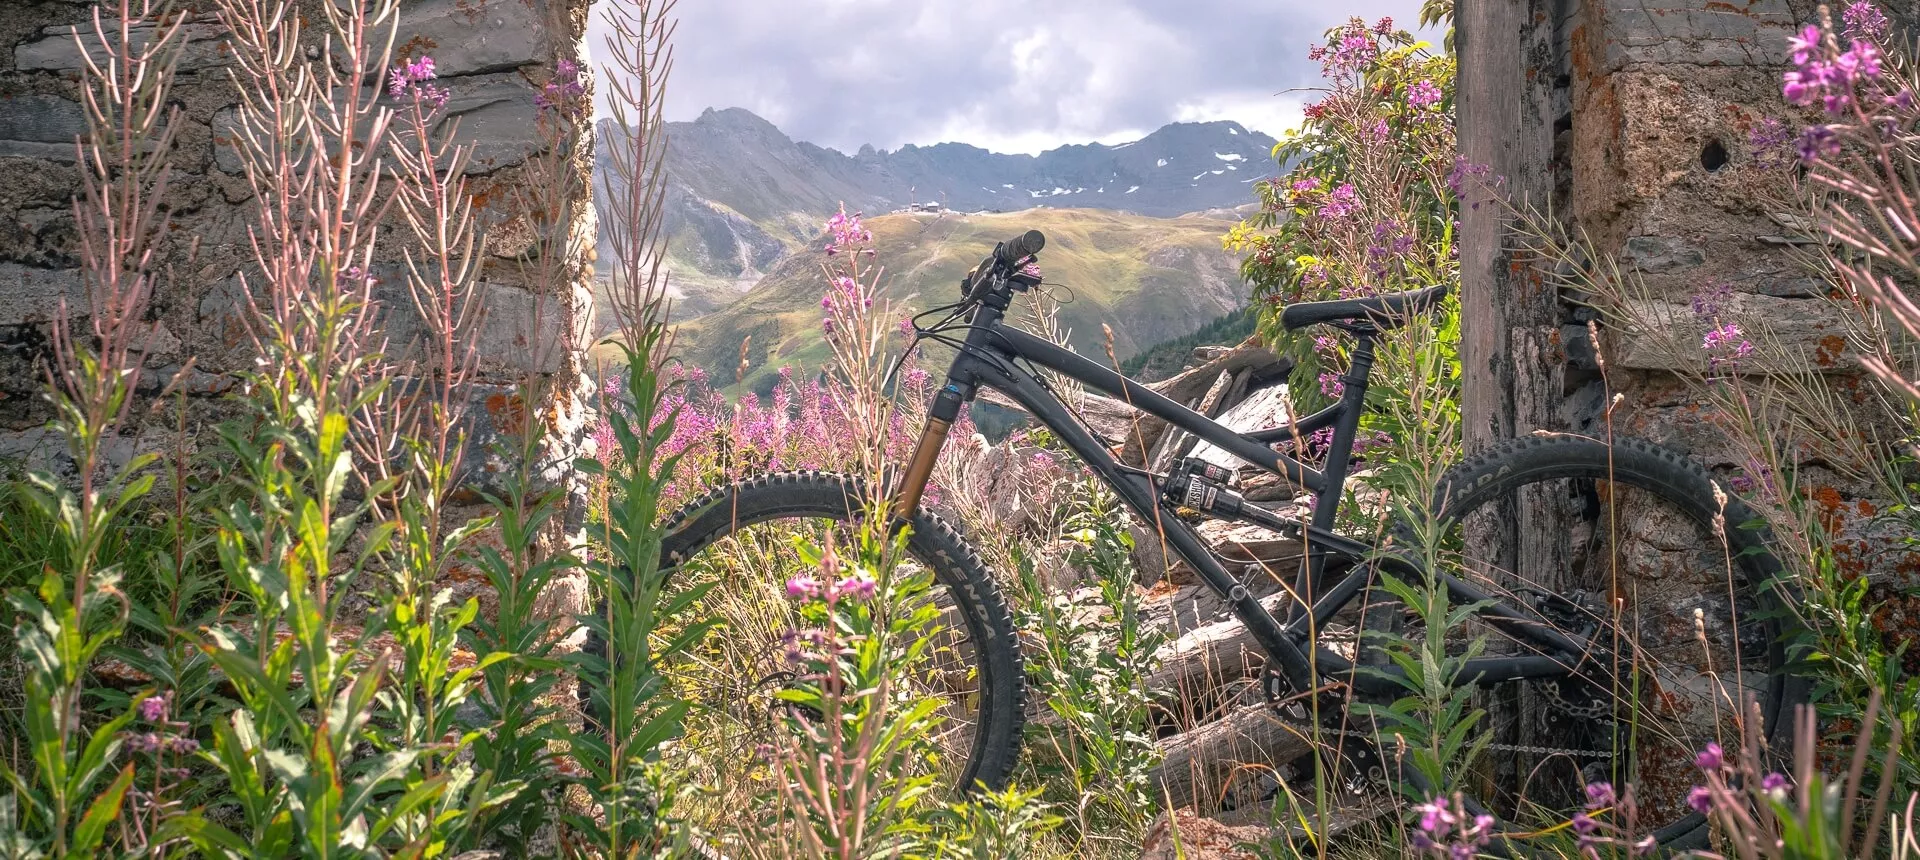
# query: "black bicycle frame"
x,y
988,359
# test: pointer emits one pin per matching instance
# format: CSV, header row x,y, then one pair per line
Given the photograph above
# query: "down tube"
x,y
1138,493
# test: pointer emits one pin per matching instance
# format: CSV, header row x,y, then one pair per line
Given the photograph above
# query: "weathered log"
x,y
1205,665
1267,407
1198,766
1190,385
1106,417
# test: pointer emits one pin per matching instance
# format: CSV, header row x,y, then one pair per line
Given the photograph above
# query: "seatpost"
x,y
1353,402
1327,504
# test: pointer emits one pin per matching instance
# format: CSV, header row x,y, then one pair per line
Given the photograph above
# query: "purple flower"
x,y
1805,45
413,77
1774,781
1436,819
1712,757
803,587
1583,824
1599,794
1423,95
1342,202
1701,799
153,709
1709,302
847,231
858,586
1724,345
1816,141
1864,21
1330,384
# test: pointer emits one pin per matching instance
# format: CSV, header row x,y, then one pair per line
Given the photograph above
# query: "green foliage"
x,y
1166,358
1368,205
641,627
853,776
1091,672
991,825
1436,718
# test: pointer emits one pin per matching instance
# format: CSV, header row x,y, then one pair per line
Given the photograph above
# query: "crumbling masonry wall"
x,y
492,55
1655,161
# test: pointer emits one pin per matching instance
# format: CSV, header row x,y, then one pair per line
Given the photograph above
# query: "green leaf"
x,y
105,808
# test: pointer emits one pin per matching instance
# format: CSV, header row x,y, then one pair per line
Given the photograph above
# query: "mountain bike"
x,y
1660,623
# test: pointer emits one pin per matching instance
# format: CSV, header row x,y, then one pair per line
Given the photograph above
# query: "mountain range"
x,y
741,194
1138,226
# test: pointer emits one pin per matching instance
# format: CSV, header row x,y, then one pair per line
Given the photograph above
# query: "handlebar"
x,y
1012,251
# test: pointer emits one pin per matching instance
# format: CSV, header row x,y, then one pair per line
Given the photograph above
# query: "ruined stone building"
x,y
492,56
1646,127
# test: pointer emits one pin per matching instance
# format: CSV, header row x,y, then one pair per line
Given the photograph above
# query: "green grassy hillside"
x,y
1151,279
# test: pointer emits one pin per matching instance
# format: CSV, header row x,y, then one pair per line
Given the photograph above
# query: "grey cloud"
x,y
1017,73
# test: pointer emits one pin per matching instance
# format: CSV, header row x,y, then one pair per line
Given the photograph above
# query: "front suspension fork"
x,y
941,414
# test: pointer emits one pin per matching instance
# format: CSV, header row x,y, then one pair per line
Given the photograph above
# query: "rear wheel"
x,y
1630,546
742,539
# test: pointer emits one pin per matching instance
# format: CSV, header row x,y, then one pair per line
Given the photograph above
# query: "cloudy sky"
x,y
1008,75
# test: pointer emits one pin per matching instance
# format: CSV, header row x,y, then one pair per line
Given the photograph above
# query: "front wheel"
x,y
1633,547
742,540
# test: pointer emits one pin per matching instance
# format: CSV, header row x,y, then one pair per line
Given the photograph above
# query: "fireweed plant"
x,y
420,727
1095,654
1368,206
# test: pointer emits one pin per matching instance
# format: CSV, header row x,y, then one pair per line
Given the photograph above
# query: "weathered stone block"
x,y
1653,254
1788,335
32,295
518,331
1698,32
496,118
201,43
467,37
37,125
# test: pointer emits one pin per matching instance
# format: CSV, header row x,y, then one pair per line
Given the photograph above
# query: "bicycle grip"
x,y
1020,247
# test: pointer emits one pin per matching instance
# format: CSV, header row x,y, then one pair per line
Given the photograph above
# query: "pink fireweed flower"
x,y
153,709
562,89
803,587
604,442
858,586
413,77
1423,95
1864,21
847,231
1344,201
1710,758
1330,384
1805,45
1599,794
1701,799
1725,345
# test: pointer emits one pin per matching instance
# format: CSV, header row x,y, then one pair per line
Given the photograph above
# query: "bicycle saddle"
x,y
1383,312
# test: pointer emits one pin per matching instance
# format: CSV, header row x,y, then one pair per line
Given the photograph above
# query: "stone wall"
x,y
1658,168
493,55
